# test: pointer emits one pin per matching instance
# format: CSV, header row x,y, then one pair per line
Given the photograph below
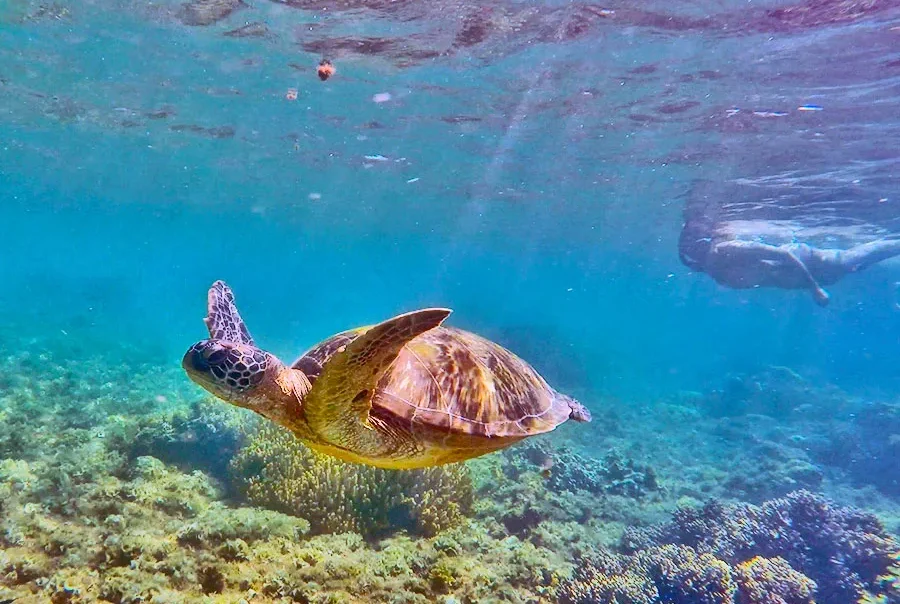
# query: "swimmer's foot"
x,y
821,296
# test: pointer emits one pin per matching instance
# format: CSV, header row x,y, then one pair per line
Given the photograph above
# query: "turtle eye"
x,y
216,357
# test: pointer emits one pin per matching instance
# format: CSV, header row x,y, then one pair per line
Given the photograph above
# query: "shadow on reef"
x,y
800,549
204,436
776,391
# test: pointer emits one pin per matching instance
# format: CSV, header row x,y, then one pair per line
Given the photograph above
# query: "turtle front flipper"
x,y
338,406
222,317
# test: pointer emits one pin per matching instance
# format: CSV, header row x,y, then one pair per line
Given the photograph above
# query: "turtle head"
x,y
232,367
233,372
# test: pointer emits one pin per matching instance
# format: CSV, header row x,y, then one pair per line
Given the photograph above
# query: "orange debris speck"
x,y
325,69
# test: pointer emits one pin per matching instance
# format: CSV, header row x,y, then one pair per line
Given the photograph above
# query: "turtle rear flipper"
x,y
222,317
342,396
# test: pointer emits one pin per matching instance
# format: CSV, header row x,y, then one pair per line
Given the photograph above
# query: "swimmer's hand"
x,y
821,296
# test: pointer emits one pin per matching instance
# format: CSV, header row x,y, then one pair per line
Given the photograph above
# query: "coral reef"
x,y
51,402
121,539
776,391
277,471
867,447
534,489
156,534
204,435
567,470
772,581
796,550
843,550
677,573
120,483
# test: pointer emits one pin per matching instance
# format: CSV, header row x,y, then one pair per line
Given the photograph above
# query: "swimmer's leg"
x,y
863,256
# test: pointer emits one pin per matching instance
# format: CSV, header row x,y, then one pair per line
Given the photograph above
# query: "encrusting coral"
x,y
275,470
157,535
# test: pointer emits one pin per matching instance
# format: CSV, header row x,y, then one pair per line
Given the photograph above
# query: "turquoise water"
x,y
532,180
553,220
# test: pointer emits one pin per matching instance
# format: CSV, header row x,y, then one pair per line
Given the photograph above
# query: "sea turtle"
x,y
405,393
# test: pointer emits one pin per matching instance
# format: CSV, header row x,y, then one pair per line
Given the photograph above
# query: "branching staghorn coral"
x,y
277,471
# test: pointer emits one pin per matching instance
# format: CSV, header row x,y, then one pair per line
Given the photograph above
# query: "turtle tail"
x,y
222,317
577,411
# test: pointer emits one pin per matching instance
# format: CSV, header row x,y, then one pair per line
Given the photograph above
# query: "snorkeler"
x,y
741,264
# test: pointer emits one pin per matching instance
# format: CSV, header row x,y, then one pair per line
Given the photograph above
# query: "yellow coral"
x,y
773,581
277,471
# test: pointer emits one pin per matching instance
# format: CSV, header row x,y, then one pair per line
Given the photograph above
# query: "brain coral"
x,y
277,471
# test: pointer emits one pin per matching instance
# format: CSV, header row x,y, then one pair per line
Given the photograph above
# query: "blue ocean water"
x,y
525,164
552,219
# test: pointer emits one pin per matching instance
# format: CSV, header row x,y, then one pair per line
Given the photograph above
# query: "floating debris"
x,y
325,69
